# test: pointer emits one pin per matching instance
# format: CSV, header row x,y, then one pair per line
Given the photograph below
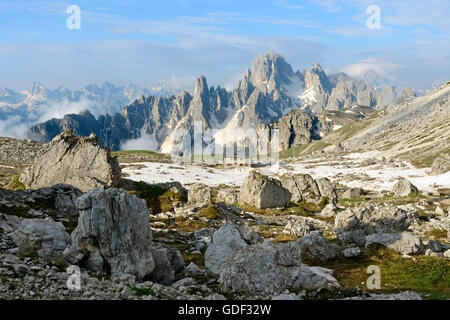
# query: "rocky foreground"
x,y
274,237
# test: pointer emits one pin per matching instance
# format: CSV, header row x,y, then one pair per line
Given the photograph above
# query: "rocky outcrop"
x,y
353,224
295,129
315,248
226,241
228,195
113,234
304,187
327,189
57,202
351,252
263,192
43,237
199,194
80,162
268,268
404,188
169,265
289,182
402,242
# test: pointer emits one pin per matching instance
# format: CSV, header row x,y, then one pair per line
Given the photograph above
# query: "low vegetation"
x,y
428,276
303,150
158,199
132,156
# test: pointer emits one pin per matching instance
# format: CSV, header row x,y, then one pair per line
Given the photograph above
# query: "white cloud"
x,y
146,142
16,126
380,66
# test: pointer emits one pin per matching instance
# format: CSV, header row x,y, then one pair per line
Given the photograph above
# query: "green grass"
x,y
303,150
426,275
158,199
144,291
437,234
210,212
15,184
61,264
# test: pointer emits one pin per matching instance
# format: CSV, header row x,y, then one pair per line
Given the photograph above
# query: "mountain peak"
x,y
201,86
270,71
317,67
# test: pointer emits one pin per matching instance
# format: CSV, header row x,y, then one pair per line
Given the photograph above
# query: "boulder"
x,y
402,242
169,265
288,182
199,195
315,248
352,193
304,187
353,224
228,195
404,188
351,252
327,189
447,253
226,241
305,182
263,192
298,227
441,164
113,234
192,270
329,211
45,237
269,268
301,187
78,161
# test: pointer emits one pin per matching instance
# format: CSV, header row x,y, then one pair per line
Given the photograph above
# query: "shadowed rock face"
x,y
113,228
80,162
263,192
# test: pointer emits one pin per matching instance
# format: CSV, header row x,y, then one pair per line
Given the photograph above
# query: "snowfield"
x,y
185,174
350,172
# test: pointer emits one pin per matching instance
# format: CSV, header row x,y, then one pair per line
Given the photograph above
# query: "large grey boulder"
x,y
354,224
169,265
113,234
327,189
199,194
404,188
78,161
402,242
263,192
269,268
315,248
304,187
45,237
226,241
228,195
288,182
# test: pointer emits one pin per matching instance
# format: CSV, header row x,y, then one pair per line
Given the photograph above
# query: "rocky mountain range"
x,y
265,95
20,110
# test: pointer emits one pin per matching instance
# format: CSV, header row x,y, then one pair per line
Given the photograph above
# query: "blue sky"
x,y
142,42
